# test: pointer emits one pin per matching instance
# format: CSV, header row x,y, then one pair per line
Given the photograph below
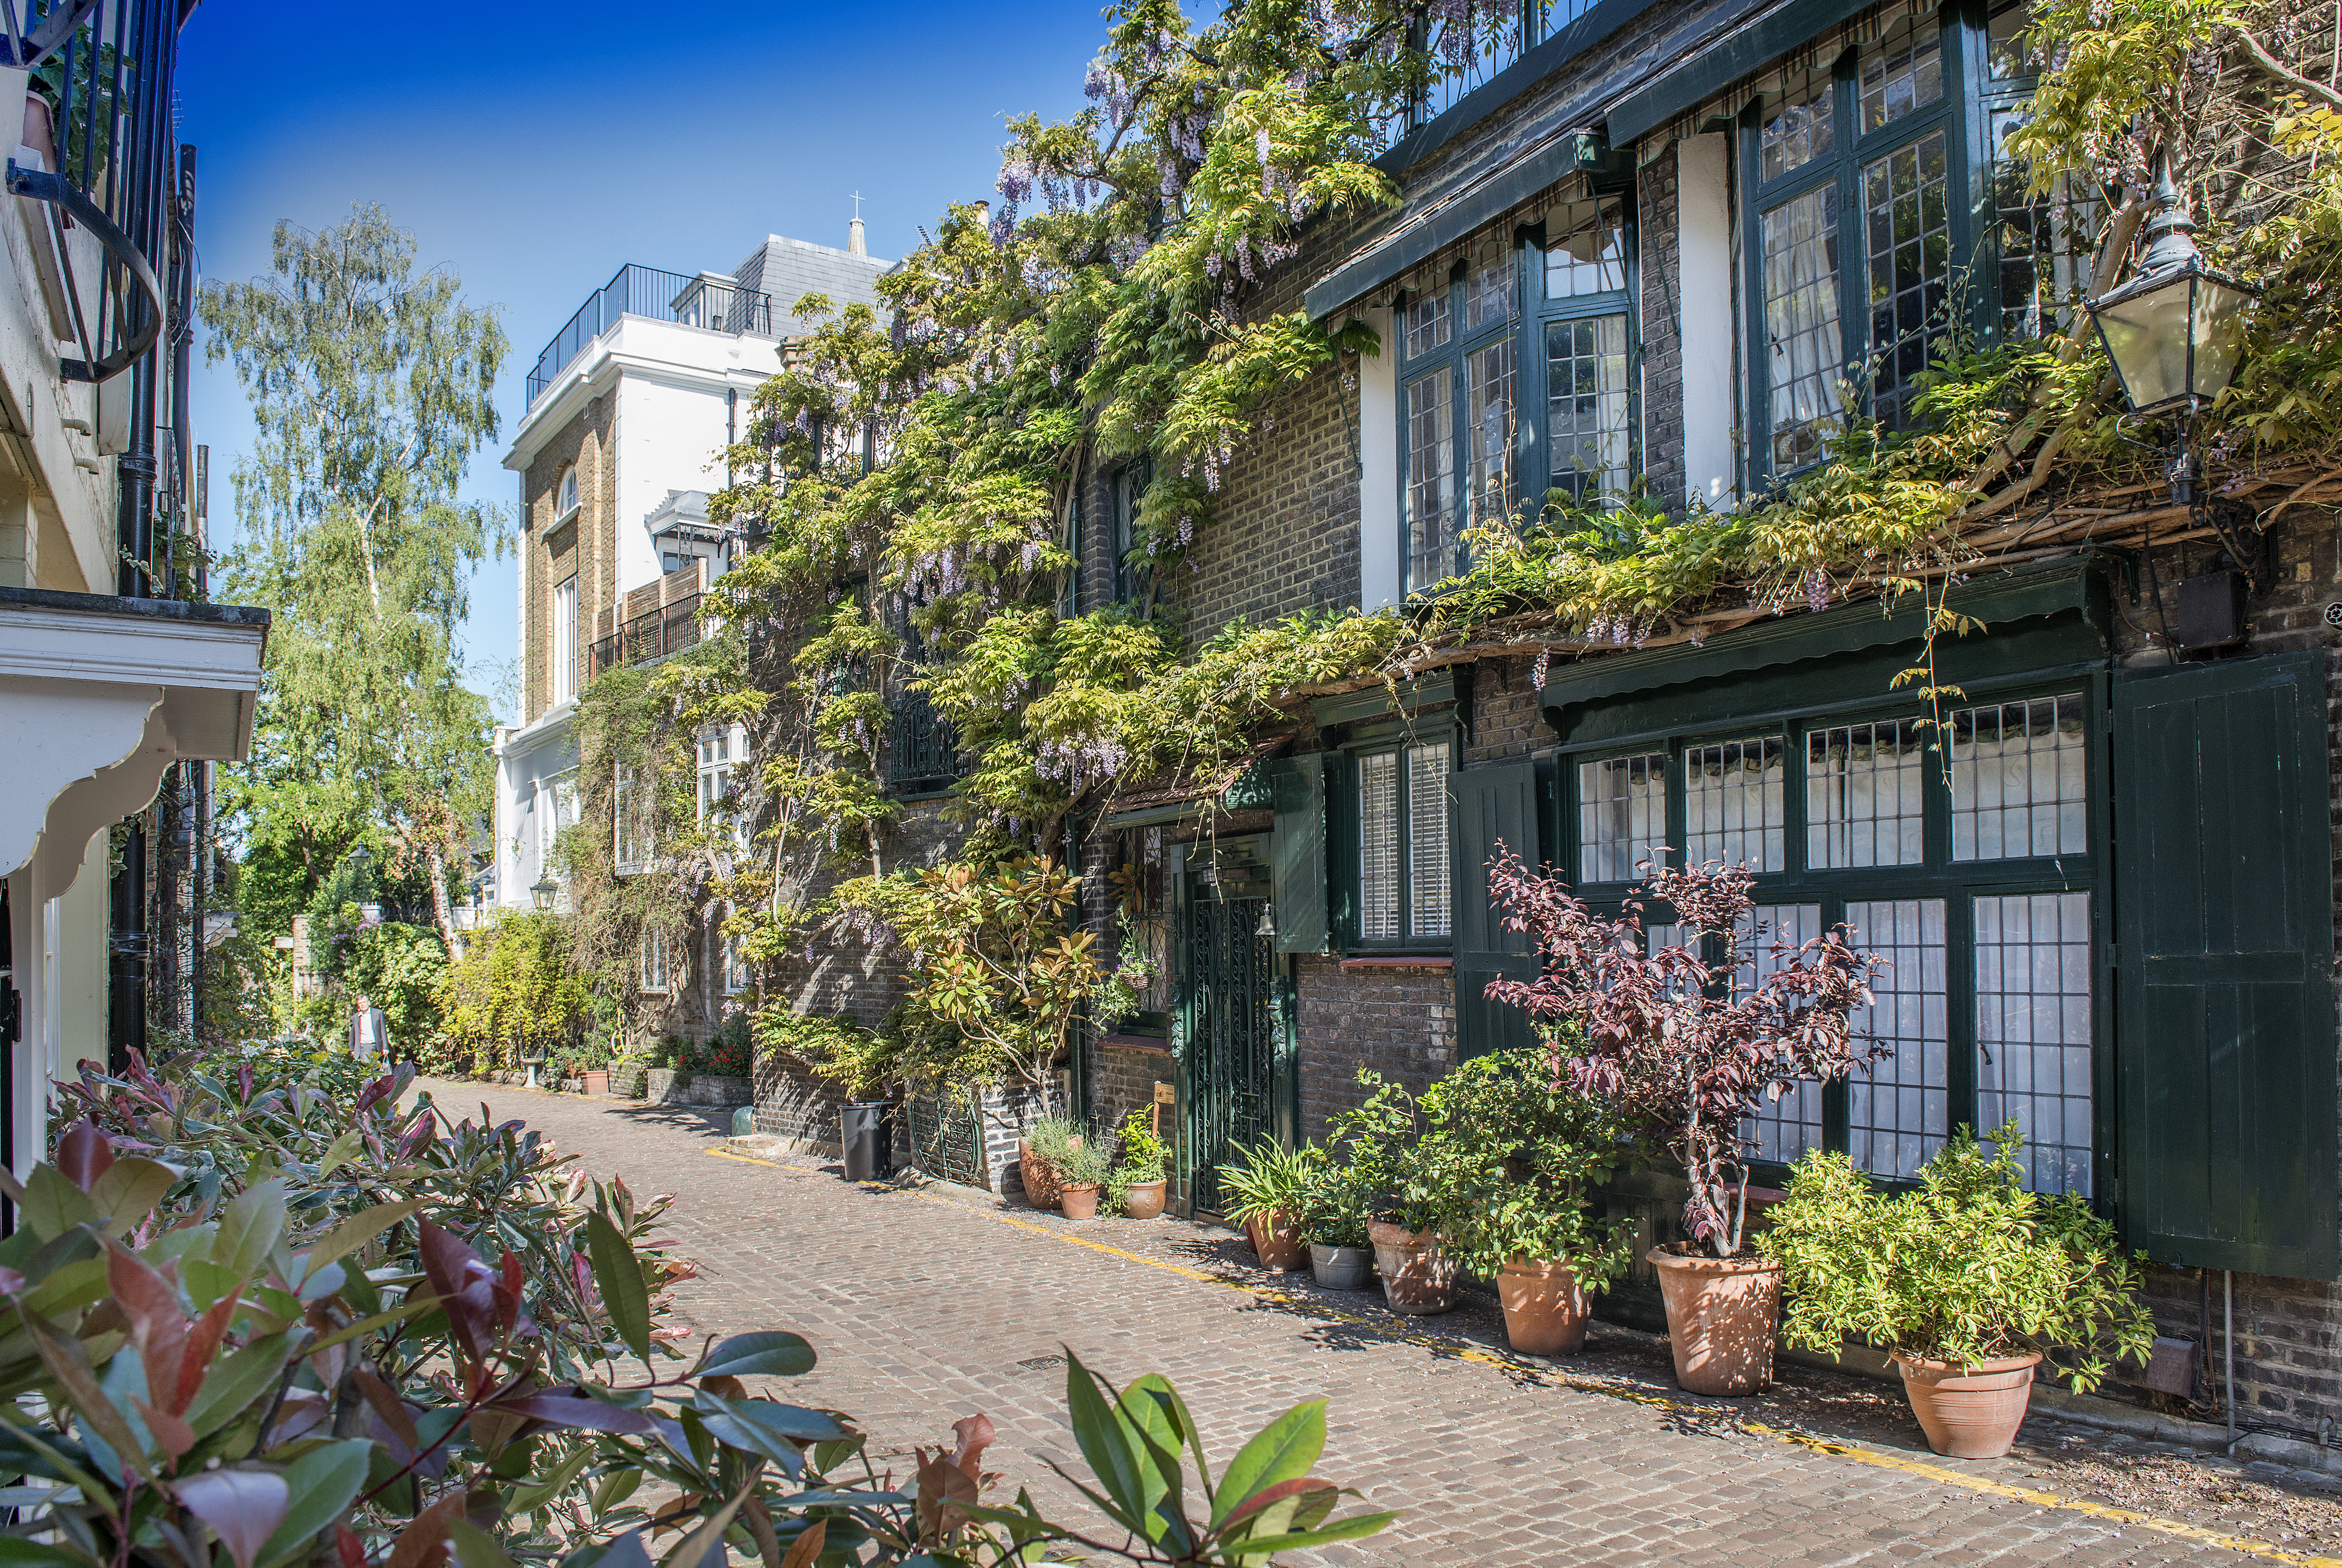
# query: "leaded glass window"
x,y
1909,224
1488,428
1784,1127
2020,779
1862,795
2033,1032
1622,815
1800,131
1898,1109
1430,478
1586,249
1901,77
1588,405
1733,805
1801,325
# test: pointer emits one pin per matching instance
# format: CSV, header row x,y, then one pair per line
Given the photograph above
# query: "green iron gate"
x,y
1229,974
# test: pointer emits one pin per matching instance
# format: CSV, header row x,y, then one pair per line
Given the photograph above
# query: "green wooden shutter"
x,y
2225,1022
1492,804
1297,853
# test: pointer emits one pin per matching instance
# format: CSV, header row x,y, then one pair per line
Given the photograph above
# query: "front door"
x,y
1228,974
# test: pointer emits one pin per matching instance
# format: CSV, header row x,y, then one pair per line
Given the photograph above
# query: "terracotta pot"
x,y
596,1079
1546,1309
1277,1237
1342,1268
1144,1200
1079,1202
1722,1315
1418,1278
1042,1183
1969,1412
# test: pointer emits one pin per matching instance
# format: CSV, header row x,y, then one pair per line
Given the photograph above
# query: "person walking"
x,y
369,1032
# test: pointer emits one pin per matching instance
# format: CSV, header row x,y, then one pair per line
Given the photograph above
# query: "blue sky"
x,y
537,147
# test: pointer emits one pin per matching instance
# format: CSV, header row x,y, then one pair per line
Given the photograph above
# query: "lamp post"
x,y
541,891
2175,332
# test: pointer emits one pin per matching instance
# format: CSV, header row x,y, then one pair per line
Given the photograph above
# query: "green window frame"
x,y
1992,907
1131,577
1519,373
1861,200
1395,852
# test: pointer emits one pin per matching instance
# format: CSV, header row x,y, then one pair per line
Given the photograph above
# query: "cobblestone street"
x,y
926,1306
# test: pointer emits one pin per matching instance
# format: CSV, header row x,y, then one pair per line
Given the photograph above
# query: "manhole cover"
x,y
1041,1363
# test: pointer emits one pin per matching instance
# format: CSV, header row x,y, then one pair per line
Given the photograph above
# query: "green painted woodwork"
x,y
1422,692
1492,805
1711,71
1233,1007
1297,853
2226,1001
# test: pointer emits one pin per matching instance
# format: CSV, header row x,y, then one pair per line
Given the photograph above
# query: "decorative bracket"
x,y
42,186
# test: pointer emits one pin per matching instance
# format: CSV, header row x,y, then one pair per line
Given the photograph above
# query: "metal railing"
x,y
709,302
655,634
922,747
1469,54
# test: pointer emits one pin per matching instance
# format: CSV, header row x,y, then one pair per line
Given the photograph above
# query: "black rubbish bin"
x,y
865,1141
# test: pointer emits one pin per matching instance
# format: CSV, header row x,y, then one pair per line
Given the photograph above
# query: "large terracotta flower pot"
x,y
1042,1183
1341,1268
1080,1202
596,1079
1277,1237
1969,1412
1144,1200
1546,1309
1418,1278
1722,1315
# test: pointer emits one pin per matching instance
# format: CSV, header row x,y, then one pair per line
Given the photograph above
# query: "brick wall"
x,y
588,547
1507,723
1656,192
1397,1022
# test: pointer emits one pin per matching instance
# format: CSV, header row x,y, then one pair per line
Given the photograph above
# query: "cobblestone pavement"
x,y
925,1305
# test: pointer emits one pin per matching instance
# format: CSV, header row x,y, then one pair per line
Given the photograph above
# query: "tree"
x,y
372,388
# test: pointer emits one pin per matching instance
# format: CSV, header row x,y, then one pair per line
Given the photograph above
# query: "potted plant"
x,y
1334,1220
1682,1050
1041,1155
1138,1182
1528,1147
1410,1182
1084,1171
1264,1185
1965,1280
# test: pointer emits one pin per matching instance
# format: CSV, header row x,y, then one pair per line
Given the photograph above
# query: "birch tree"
x,y
372,387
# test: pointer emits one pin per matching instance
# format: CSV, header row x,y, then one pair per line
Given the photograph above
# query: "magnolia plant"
x,y
1684,1041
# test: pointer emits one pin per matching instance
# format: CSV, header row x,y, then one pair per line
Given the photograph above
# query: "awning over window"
x,y
1416,233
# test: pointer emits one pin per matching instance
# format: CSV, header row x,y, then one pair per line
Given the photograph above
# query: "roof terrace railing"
x,y
711,302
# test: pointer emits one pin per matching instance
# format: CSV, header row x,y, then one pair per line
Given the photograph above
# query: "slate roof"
x,y
790,269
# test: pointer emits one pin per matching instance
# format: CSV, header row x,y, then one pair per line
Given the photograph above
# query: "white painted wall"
x,y
1379,577
670,437
528,763
1705,290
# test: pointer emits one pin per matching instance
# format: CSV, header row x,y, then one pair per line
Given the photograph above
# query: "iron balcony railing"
x,y
1469,48
712,303
922,747
669,629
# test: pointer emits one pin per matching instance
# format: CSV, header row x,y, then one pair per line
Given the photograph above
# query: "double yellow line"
x,y
2179,1529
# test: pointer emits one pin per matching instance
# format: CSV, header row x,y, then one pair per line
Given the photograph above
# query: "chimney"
x,y
854,245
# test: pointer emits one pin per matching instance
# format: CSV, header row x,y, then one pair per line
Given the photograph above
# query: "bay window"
x,y
1975,871
1516,378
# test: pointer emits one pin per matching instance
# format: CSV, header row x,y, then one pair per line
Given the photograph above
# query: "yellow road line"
x,y
2128,1517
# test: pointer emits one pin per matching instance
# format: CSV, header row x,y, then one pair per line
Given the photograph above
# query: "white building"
x,y
631,409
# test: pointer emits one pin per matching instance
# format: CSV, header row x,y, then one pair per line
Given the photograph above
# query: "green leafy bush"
x,y
1086,1164
1262,1179
1139,1157
1335,1208
1523,1147
515,993
1967,1267
1055,1138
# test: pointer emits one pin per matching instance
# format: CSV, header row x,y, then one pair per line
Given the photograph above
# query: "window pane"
x,y
2018,780
1586,406
1862,795
2003,56
1586,249
2044,242
1797,134
1427,840
1489,386
1378,847
1910,244
1430,479
1732,800
2033,1032
1489,292
1898,1110
1785,1128
1902,76
1801,323
1622,815
1429,324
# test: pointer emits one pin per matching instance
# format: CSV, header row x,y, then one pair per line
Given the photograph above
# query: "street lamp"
x,y
542,890
2175,332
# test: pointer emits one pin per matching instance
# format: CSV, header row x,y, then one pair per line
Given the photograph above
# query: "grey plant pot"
x,y
1342,1268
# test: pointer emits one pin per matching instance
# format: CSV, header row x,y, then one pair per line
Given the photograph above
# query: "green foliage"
x,y
273,1311
1139,1157
1966,1268
371,389
1334,1206
1055,1138
396,966
1526,1147
1263,1179
1085,1164
1397,1160
513,992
